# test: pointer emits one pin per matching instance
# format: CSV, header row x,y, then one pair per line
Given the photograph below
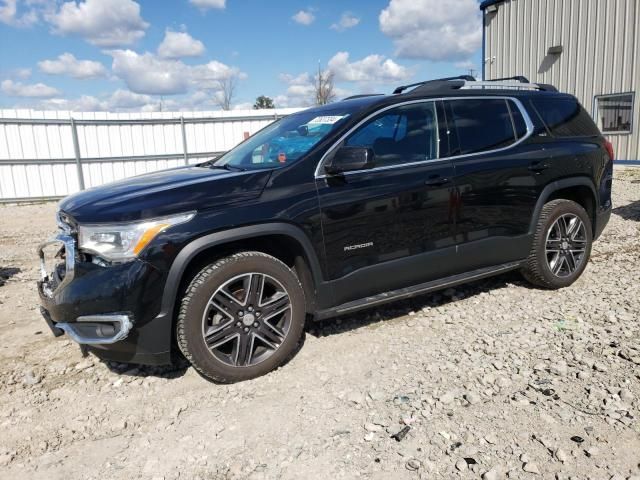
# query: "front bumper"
x,y
112,310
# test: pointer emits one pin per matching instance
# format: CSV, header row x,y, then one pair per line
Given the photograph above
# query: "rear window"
x,y
564,117
482,124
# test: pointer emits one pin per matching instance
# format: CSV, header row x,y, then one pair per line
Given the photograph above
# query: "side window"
x,y
400,135
564,117
482,124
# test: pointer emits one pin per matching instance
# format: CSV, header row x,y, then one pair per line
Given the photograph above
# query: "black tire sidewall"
x,y
198,295
559,209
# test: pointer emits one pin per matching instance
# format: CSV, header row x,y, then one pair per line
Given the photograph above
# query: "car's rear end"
x,y
575,146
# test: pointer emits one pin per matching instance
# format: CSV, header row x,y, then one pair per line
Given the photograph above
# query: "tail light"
x,y
609,146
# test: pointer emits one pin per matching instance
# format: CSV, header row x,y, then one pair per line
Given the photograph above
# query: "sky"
x,y
175,55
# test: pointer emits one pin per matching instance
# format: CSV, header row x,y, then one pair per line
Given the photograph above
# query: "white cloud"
x,y
300,91
68,64
372,69
10,15
149,74
22,73
208,75
105,23
433,29
466,65
35,90
243,106
207,4
179,44
347,20
85,103
304,17
124,99
118,101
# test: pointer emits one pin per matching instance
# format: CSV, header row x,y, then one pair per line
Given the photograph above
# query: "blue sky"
x,y
126,55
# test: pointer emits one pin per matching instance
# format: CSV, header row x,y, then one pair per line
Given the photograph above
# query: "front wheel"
x,y
241,317
561,245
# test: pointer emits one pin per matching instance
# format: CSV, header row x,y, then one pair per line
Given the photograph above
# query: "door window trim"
x,y
318,175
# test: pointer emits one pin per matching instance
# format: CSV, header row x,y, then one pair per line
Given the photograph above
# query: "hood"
x,y
164,193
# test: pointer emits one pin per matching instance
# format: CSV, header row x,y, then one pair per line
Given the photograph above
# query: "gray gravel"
x,y
494,380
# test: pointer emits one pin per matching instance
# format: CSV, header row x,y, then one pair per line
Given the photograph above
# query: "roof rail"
x,y
363,95
518,78
402,88
465,82
508,84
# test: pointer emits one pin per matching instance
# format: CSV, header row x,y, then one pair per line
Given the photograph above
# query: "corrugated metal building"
x,y
589,48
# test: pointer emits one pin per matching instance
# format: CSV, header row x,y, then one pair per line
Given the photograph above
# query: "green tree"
x,y
263,102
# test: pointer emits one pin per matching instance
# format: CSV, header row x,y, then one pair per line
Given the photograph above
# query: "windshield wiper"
x,y
226,166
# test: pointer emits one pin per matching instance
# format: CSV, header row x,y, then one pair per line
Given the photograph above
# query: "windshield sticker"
x,y
327,120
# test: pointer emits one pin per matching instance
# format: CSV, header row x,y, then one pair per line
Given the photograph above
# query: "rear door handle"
x,y
538,166
436,181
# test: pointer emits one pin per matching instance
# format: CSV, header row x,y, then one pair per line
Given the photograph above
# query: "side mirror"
x,y
348,159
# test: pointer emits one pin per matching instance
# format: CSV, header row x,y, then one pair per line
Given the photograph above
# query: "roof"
x,y
488,3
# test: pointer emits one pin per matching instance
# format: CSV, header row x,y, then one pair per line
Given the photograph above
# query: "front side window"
x,y
482,124
404,134
614,112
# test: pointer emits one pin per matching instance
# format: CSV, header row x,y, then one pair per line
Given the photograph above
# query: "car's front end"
x,y
103,274
96,289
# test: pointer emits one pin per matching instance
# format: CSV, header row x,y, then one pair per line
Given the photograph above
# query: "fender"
x,y
554,187
189,252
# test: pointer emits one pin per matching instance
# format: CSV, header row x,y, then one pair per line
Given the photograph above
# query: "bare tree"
x,y
324,88
226,89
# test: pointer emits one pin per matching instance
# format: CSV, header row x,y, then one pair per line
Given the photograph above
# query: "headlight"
x,y
122,242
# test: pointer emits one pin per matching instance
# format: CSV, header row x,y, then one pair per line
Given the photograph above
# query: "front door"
x,y
390,227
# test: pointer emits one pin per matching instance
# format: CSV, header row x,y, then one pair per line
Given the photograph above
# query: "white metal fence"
x,y
46,155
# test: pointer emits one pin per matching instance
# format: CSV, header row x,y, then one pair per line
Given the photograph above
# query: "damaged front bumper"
x,y
85,330
111,311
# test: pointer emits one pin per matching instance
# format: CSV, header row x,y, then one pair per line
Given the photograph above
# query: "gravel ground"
x,y
494,379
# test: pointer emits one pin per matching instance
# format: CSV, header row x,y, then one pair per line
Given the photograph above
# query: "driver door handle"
x,y
436,181
538,166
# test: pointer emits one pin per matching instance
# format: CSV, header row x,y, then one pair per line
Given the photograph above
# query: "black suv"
x,y
325,212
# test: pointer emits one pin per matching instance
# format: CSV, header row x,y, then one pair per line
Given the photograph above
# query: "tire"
x,y
229,327
556,260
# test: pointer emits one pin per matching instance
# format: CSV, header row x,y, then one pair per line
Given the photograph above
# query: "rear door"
x,y
499,174
390,227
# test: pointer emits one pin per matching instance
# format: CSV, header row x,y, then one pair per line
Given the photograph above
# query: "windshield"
x,y
283,142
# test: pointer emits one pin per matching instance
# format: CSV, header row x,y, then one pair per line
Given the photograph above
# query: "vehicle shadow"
x,y
6,273
174,371
629,212
401,308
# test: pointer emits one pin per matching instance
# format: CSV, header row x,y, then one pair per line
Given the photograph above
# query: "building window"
x,y
614,113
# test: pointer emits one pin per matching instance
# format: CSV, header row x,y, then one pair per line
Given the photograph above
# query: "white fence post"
x,y
76,150
184,141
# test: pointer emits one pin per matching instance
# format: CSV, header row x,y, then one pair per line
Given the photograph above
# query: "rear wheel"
x,y
561,246
241,317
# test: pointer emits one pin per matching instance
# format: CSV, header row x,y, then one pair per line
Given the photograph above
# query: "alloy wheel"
x,y
566,245
246,319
